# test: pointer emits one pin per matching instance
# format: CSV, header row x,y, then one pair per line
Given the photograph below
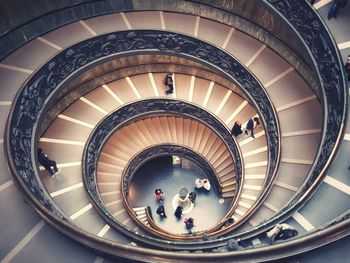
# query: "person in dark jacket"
x,y
333,11
47,163
281,232
169,82
192,196
189,222
347,67
251,124
178,212
161,211
237,128
286,234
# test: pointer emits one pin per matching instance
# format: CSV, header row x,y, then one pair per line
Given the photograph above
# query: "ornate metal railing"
x,y
37,95
160,150
140,110
317,40
34,99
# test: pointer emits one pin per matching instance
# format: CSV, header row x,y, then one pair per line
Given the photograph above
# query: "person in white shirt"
x,y
202,183
206,184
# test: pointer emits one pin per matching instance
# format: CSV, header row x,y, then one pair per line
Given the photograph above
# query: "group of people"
x,y
189,221
251,125
237,128
159,194
202,184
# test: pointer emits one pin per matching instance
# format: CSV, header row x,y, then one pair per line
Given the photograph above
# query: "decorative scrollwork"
x,y
306,22
41,88
128,113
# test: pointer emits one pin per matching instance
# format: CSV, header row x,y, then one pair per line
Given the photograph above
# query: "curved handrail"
x,y
139,110
319,43
341,88
145,155
34,97
153,151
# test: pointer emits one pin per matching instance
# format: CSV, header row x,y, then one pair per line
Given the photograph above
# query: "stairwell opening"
x,y
171,173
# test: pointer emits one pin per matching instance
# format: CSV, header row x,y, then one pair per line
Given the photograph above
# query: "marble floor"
x,y
159,173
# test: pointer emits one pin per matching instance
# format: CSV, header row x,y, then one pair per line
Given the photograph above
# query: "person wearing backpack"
x,y
169,82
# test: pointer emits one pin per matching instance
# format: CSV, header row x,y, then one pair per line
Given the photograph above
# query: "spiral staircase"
x,y
84,82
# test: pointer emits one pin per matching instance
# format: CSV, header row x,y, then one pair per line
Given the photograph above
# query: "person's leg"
x,y
252,133
48,168
171,88
54,165
336,9
331,11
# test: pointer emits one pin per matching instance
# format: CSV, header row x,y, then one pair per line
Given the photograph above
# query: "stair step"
x,y
214,148
199,136
143,219
139,208
228,183
204,140
228,189
166,129
228,195
139,213
222,163
179,122
227,177
228,170
219,152
141,216
209,144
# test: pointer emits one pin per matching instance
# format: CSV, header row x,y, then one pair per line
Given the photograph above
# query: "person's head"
x,y
349,58
157,191
256,119
40,150
238,122
230,220
205,181
170,74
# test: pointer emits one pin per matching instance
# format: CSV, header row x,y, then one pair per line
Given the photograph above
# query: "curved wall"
x,y
264,25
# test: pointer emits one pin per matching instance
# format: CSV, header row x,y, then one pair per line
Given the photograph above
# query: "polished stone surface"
x,y
159,173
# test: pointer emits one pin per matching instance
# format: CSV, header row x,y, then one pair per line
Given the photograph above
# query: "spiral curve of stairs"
x,y
66,133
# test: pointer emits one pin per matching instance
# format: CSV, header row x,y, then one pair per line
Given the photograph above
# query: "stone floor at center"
x,y
207,211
